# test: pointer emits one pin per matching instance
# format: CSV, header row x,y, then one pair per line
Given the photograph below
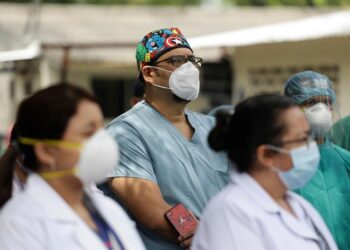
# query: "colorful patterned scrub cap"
x,y
158,42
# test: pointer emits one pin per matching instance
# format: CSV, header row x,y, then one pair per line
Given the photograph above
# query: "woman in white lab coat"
x,y
66,150
268,139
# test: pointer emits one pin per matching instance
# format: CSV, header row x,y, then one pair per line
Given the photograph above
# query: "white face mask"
x,y
184,81
305,161
98,157
320,119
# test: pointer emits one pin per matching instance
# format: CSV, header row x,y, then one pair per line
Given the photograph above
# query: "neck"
x,y
320,140
168,107
69,188
270,182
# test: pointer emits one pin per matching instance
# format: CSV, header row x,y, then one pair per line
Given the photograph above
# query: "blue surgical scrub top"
x,y
186,171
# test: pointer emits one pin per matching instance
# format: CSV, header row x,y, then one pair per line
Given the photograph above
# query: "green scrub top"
x,y
341,131
186,171
329,192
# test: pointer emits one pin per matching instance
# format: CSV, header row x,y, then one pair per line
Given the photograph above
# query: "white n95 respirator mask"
x,y
98,156
183,82
320,119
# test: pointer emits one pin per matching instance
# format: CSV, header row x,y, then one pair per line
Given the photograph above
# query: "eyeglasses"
x,y
177,61
306,140
313,101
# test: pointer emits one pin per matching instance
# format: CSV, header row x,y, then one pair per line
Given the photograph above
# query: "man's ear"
x,y
44,154
265,156
149,74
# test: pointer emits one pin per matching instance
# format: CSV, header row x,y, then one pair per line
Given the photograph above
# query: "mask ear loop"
x,y
159,86
154,67
279,150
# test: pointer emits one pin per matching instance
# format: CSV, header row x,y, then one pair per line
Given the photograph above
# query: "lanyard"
x,y
107,234
104,230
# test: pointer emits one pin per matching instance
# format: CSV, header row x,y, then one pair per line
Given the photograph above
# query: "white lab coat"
x,y
244,217
39,219
17,185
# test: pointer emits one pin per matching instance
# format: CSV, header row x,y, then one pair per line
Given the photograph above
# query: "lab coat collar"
x,y
49,199
57,209
264,200
258,194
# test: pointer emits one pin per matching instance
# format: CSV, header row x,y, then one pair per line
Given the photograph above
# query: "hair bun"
x,y
219,136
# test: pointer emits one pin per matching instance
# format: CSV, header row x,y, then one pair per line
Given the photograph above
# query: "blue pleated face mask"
x,y
305,161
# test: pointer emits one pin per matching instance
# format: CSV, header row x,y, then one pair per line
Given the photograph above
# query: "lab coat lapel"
x,y
263,200
59,211
297,227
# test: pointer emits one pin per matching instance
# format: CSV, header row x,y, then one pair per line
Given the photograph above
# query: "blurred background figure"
x,y
222,108
138,93
342,131
268,139
329,189
60,135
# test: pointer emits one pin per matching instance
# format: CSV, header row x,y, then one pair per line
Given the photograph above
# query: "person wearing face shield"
x,y
329,189
165,157
65,151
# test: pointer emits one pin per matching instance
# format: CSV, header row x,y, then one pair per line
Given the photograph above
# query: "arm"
x,y
144,200
135,183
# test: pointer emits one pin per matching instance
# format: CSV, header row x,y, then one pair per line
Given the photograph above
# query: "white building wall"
x,y
298,55
6,108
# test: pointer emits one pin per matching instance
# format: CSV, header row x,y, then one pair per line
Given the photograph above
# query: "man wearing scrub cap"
x,y
165,157
329,189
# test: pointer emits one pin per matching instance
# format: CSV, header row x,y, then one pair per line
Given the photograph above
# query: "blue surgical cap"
x,y
307,84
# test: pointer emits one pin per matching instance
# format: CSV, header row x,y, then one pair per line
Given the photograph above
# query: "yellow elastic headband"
x,y
58,174
57,143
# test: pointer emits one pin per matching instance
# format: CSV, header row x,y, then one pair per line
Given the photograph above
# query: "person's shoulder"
x,y
139,110
21,206
307,207
130,122
343,154
341,150
203,119
200,115
344,121
302,201
230,200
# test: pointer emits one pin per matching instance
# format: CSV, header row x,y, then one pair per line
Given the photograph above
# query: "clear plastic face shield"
x,y
316,97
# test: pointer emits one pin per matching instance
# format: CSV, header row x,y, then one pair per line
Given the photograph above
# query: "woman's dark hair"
x,y
6,171
256,121
44,115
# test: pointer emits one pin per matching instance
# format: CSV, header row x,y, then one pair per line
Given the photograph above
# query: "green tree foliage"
x,y
290,2
136,2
